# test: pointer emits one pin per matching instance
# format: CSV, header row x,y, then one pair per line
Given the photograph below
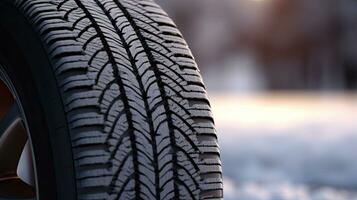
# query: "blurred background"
x,y
281,76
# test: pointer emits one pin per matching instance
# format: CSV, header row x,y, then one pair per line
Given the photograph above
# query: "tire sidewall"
x,y
26,63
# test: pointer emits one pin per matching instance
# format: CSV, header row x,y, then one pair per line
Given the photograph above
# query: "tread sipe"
x,y
137,110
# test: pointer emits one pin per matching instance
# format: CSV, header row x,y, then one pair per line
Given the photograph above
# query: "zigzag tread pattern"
x,y
137,110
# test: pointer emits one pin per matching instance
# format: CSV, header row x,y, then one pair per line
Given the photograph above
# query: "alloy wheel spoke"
x,y
13,139
15,157
25,168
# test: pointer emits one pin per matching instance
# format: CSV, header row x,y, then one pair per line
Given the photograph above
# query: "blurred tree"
x,y
299,44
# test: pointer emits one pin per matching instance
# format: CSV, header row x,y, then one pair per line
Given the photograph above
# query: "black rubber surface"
x,y
137,112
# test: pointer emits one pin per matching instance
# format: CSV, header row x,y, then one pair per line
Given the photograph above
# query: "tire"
x,y
118,96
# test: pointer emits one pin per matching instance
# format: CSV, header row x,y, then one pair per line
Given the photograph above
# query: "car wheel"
x,y
102,99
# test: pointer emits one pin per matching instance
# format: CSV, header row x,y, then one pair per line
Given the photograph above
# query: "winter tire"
x,y
110,100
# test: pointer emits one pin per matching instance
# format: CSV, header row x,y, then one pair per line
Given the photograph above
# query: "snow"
x,y
286,191
311,156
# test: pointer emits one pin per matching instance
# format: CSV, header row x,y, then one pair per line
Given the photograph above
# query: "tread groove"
x,y
122,90
162,91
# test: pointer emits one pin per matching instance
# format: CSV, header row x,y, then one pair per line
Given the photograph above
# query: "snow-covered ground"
x,y
288,146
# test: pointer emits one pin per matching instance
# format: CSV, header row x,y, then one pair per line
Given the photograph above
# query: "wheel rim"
x,y
17,174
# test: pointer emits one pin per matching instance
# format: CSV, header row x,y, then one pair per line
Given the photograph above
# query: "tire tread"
x,y
137,109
